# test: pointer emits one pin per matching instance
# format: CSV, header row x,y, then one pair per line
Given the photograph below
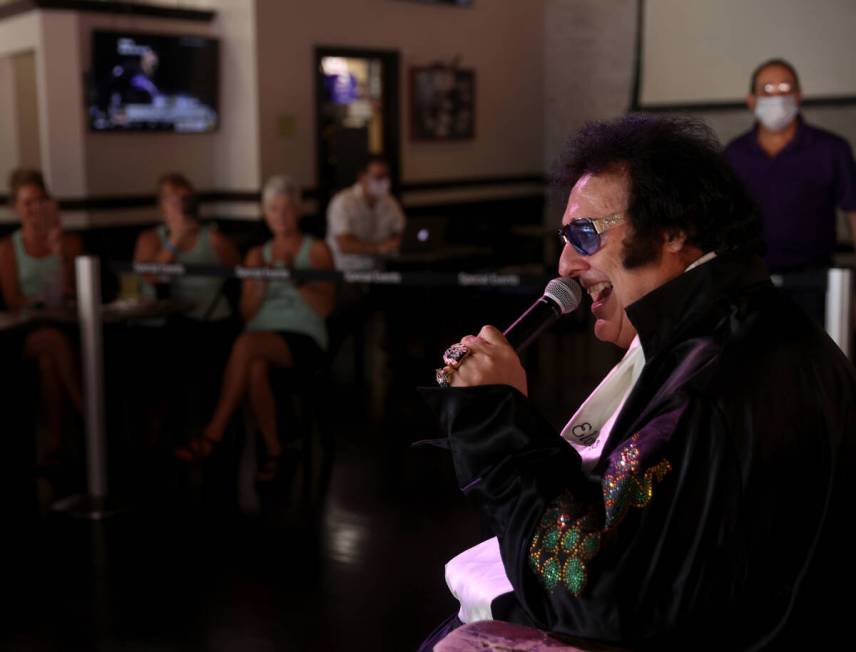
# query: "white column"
x,y
89,313
839,308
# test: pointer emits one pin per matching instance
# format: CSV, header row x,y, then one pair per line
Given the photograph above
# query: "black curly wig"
x,y
679,184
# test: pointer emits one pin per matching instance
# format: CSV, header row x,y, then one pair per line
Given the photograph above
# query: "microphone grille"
x,y
565,292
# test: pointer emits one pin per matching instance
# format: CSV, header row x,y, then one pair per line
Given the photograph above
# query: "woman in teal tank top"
x,y
182,239
285,324
180,359
36,270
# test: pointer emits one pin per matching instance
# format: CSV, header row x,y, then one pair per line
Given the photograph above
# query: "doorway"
x,y
357,114
19,113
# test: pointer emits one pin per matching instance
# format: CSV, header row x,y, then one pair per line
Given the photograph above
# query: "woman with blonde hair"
x,y
285,325
36,271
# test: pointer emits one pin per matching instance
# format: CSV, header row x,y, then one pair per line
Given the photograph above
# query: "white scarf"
x,y
589,429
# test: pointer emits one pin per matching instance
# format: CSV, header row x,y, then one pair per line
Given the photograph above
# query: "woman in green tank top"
x,y
285,325
181,357
181,238
36,269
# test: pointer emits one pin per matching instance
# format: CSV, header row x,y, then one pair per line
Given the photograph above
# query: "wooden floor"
x,y
350,557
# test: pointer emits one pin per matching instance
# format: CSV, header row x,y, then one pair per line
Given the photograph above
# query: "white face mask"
x,y
777,111
377,188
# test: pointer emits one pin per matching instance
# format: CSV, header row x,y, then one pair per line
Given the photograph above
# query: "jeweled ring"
x,y
454,354
443,375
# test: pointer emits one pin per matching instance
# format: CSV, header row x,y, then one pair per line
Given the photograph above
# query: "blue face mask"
x,y
378,188
777,111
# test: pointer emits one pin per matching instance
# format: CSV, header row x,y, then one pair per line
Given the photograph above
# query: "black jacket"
x,y
717,516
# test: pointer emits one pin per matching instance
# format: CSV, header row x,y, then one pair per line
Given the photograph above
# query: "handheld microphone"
x,y
561,296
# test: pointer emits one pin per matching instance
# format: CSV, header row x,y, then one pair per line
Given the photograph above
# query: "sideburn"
x,y
639,250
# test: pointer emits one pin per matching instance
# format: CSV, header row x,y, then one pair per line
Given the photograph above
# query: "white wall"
x,y
51,38
267,55
228,159
237,161
543,68
61,110
28,137
588,62
685,41
18,35
119,163
8,118
501,39
589,55
78,163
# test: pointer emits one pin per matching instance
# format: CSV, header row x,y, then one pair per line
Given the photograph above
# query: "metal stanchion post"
x,y
94,504
839,308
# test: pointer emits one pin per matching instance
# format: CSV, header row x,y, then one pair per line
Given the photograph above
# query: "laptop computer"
x,y
423,234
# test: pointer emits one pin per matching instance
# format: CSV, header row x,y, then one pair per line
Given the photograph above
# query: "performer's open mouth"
x,y
599,293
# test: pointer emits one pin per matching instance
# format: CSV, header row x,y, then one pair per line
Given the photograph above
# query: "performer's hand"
x,y
490,361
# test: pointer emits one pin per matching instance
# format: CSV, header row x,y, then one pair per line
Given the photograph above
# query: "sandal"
x,y
197,449
269,470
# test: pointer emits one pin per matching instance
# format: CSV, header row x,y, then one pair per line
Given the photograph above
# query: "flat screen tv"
x,y
153,82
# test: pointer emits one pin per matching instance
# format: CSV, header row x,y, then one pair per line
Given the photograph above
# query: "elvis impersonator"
x,y
699,498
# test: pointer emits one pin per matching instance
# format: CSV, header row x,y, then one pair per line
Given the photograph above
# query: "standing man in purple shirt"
x,y
798,175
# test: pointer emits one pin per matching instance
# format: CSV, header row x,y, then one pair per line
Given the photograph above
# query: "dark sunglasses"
x,y
583,233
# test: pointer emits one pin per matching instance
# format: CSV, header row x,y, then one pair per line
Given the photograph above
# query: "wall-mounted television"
x,y
153,82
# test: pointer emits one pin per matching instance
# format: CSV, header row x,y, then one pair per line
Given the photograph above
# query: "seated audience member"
x,y
285,325
799,175
181,366
364,221
37,271
183,239
700,497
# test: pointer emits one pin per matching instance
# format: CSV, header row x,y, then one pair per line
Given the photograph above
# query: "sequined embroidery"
x,y
624,487
567,538
564,541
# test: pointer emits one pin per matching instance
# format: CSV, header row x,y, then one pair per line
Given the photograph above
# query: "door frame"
x,y
391,107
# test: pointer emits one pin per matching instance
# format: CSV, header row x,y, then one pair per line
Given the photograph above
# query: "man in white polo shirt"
x,y
364,222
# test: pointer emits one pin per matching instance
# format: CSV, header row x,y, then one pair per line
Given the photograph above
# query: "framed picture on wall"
x,y
442,103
